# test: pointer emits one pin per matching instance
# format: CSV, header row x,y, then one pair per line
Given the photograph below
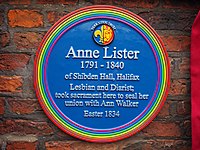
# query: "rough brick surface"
x,y
137,3
21,145
167,145
53,16
20,2
56,145
10,83
2,105
165,110
21,127
25,18
176,43
28,40
71,2
162,129
187,128
23,106
184,108
185,4
103,2
178,87
185,65
1,17
4,39
172,64
180,21
13,61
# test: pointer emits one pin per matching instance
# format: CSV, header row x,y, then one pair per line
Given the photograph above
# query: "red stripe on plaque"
x,y
195,83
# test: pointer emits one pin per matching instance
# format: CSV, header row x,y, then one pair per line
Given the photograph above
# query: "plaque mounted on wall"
x,y
101,73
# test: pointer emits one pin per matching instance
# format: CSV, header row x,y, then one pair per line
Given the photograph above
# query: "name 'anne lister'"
x,y
90,54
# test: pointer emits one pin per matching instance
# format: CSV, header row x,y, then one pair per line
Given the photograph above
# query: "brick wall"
x,y
23,125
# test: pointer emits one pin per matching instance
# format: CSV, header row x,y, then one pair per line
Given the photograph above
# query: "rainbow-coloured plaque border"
x,y
97,135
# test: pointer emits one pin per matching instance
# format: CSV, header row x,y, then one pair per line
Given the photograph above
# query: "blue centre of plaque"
x,y
103,85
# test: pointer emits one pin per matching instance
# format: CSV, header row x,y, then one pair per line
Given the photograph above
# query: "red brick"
x,y
25,18
185,65
150,145
28,39
186,4
68,2
178,87
22,127
132,145
94,146
183,145
173,65
53,17
2,105
23,106
148,3
46,1
184,108
57,145
19,2
10,83
162,129
166,144
103,2
4,39
171,20
21,145
187,128
137,3
176,43
11,61
165,110
62,135
1,18
160,144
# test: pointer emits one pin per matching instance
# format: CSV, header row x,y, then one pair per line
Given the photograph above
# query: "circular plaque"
x,y
101,73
